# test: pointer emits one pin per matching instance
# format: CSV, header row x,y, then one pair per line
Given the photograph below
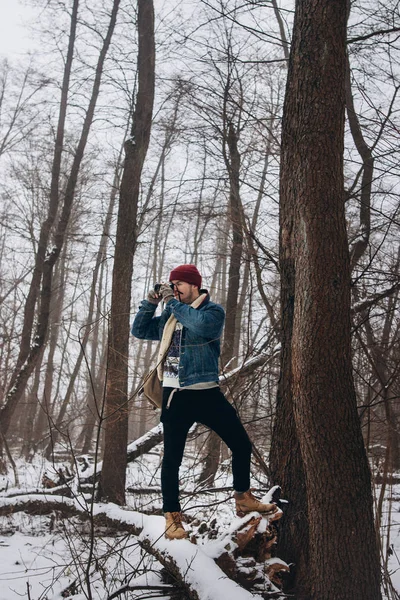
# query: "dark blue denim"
x,y
201,334
211,408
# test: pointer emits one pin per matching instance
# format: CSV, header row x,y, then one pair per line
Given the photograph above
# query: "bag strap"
x,y
165,343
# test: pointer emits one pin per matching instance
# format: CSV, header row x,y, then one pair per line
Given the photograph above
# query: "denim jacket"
x,y
201,334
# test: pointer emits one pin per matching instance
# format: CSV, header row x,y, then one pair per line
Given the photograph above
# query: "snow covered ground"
x,y
391,535
46,564
46,558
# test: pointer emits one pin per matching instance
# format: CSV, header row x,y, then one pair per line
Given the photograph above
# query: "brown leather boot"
x,y
173,526
246,503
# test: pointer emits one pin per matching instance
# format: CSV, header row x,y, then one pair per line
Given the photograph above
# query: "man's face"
x,y
185,292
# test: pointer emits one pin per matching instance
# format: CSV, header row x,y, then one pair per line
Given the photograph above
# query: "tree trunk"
x,y
31,409
112,484
235,213
232,161
44,412
285,459
337,477
362,240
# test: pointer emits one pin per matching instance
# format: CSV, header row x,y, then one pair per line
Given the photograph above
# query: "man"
x,y
191,391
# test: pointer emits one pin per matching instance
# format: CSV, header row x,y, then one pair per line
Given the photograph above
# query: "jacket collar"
x,y
206,299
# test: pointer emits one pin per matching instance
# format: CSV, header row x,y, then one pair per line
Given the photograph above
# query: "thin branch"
x,y
367,36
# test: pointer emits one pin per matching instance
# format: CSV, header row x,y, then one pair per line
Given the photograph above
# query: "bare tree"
x,y
116,435
46,258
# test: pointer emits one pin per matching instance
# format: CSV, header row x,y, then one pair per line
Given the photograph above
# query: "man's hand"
x,y
166,292
154,297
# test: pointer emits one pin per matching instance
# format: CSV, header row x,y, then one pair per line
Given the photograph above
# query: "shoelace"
x,y
177,520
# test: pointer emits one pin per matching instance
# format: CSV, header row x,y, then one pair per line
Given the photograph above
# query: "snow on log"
x,y
196,571
245,554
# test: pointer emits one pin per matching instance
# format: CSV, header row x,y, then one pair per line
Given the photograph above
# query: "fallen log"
x,y
248,555
194,571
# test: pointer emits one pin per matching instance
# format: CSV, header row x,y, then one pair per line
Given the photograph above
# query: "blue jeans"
x,y
211,408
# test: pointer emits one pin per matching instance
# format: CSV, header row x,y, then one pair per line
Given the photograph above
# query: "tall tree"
x,y
319,409
112,485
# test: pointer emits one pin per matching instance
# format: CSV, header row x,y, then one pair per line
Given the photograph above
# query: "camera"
x,y
158,285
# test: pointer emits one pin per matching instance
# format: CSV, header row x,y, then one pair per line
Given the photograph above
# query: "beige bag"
x,y
152,389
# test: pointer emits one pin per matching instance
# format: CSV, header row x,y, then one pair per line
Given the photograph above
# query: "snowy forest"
x,y
260,141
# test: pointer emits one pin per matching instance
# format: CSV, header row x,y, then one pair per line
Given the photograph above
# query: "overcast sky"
x,y
14,37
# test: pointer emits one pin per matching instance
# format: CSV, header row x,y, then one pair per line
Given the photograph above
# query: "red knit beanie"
x,y
187,273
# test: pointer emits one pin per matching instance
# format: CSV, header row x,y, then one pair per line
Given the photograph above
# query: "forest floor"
x,y
51,557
